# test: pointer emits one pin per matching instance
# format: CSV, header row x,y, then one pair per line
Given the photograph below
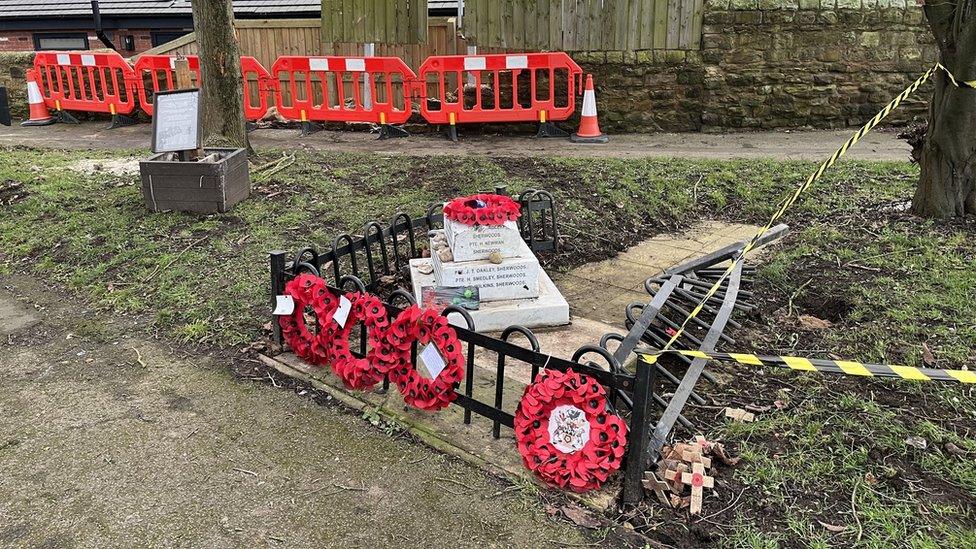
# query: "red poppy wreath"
x,y
309,291
429,329
565,434
482,209
364,373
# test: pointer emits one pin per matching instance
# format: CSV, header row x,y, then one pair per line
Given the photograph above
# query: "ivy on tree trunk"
x,y
220,72
947,187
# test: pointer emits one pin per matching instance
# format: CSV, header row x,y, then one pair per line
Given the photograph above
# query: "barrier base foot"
x,y
42,122
65,117
548,129
308,128
389,132
119,120
450,132
576,138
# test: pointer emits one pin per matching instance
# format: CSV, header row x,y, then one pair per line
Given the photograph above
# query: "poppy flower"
x,y
482,209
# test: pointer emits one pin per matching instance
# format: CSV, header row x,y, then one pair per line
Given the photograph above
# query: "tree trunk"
x,y
947,187
220,72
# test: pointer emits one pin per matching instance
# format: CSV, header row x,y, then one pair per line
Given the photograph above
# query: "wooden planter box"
x,y
201,187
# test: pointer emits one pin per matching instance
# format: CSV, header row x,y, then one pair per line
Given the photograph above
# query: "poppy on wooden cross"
x,y
697,480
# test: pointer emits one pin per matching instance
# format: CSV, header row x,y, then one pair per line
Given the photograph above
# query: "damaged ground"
x,y
828,462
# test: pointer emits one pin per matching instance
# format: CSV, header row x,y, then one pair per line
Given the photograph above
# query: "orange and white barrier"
x,y
528,87
89,82
331,89
156,73
502,88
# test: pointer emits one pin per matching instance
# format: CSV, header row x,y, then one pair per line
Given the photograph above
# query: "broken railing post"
x,y
639,433
277,288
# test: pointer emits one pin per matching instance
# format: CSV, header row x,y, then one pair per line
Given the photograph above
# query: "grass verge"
x,y
893,288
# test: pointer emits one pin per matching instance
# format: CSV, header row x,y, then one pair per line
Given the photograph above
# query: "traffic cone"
x,y
39,115
589,129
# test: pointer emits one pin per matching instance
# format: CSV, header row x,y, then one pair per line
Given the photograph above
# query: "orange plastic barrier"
x,y
343,89
528,87
156,73
90,82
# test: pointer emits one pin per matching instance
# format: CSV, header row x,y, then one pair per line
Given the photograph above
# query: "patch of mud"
x,y
12,191
110,166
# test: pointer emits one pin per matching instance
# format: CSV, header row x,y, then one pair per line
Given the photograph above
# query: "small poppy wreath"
x,y
483,209
565,434
364,373
308,290
424,326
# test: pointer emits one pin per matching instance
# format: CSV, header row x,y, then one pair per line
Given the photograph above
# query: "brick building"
x,y
132,26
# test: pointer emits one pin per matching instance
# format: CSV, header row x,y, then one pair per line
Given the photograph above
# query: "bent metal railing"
x,y
377,262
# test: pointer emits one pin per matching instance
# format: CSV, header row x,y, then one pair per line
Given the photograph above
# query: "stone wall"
x,y
13,71
772,64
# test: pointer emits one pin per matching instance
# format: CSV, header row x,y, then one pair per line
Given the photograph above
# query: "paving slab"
x,y
601,291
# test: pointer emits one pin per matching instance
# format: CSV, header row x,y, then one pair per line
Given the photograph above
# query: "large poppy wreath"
x,y
364,373
565,434
425,327
309,291
482,209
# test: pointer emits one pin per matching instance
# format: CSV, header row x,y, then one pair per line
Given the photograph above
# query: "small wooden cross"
x,y
674,476
696,457
659,487
703,443
697,480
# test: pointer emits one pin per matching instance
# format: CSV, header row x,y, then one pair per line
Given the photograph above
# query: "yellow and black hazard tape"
x,y
971,84
816,175
845,367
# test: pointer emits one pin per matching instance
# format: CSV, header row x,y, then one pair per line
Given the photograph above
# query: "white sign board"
x,y
176,121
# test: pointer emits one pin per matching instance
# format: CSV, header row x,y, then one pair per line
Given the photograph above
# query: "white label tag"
x,y
88,60
431,359
284,305
342,313
64,59
355,65
318,64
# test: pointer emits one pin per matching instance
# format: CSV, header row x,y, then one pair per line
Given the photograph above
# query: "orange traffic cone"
x,y
39,115
589,129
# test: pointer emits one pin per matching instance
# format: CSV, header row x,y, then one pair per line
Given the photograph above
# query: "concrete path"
x,y
110,440
780,145
601,291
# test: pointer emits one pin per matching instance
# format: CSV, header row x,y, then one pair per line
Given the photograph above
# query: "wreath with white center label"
x,y
428,390
565,433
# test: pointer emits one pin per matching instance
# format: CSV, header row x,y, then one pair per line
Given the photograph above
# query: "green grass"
x,y
203,278
896,282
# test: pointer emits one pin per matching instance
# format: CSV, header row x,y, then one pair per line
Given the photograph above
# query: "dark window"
x,y
160,38
61,41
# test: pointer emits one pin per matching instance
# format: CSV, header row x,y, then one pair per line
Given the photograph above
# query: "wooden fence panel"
x,y
380,21
583,25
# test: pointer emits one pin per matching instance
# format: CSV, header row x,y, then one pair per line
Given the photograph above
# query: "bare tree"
x,y
220,70
947,187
